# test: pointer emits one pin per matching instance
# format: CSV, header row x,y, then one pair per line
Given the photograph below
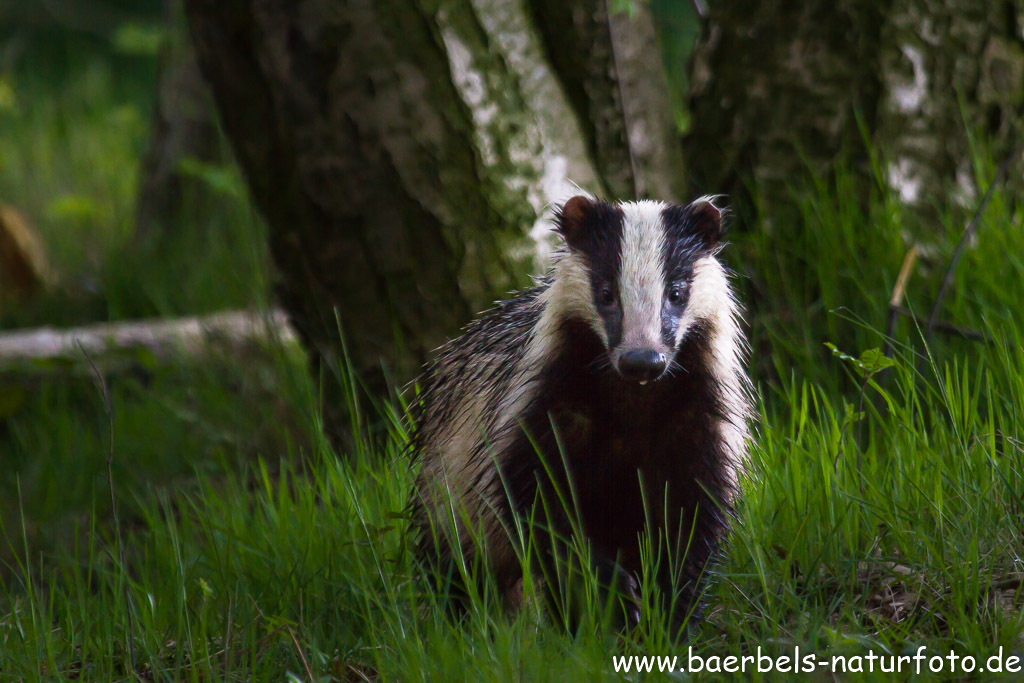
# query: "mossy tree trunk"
x,y
405,153
777,88
951,69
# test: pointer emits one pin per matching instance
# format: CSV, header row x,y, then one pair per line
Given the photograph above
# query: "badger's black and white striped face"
x,y
643,262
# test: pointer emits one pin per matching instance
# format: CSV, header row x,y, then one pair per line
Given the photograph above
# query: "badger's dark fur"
x,y
625,364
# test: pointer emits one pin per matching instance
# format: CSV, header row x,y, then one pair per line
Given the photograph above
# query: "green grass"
x,y
254,575
878,513
887,524
74,122
171,424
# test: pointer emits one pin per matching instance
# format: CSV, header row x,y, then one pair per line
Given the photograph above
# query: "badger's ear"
x,y
700,218
571,220
706,221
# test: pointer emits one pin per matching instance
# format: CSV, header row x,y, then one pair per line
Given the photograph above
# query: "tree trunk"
x,y
406,154
951,69
771,105
612,73
184,127
774,90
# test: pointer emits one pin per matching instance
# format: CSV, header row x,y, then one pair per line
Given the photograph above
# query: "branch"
x,y
947,328
896,298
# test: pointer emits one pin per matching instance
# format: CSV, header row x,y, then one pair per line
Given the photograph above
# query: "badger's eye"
x,y
605,296
675,295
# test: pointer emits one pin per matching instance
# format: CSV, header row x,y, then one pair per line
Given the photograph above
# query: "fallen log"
x,y
163,338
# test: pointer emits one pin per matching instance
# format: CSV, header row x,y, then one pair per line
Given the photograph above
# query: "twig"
x,y
302,655
966,236
947,328
896,298
108,409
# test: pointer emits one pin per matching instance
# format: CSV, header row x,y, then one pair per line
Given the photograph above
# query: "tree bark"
x,y
612,73
950,70
406,155
184,127
777,88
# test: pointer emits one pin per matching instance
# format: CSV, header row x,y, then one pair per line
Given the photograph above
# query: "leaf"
x,y
870,362
873,360
852,416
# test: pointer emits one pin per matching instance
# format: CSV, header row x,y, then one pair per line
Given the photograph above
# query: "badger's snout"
x,y
642,365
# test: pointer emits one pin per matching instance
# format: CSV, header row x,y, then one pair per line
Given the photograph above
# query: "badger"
x,y
610,399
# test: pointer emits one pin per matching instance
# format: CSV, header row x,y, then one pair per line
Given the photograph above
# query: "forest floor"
x,y
882,511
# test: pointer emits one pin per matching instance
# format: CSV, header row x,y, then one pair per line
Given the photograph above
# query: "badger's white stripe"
x,y
711,300
642,275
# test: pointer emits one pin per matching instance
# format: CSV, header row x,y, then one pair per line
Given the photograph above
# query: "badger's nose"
x,y
642,365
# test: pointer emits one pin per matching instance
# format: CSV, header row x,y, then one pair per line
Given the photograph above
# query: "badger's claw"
x,y
629,591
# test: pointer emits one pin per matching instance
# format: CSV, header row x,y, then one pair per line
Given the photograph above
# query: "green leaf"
x,y
874,360
870,362
852,416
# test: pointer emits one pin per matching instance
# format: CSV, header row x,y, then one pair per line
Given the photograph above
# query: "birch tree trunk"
x,y
777,88
951,69
406,152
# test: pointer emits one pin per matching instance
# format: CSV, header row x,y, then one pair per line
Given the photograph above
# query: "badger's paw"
x,y
621,583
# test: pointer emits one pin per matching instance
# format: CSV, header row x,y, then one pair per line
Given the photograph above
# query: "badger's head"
x,y
642,273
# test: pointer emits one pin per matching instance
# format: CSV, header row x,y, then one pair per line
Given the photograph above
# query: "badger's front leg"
x,y
616,580
556,562
684,573
566,587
